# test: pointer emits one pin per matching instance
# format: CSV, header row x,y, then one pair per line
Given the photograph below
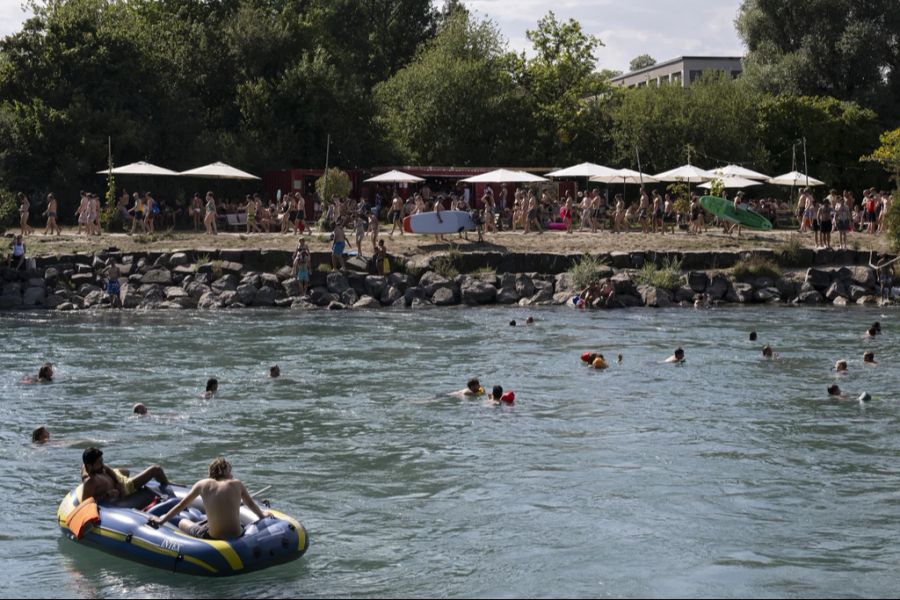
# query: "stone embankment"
x,y
218,279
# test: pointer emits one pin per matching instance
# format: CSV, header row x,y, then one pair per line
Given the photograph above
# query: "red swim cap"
x,y
508,397
586,357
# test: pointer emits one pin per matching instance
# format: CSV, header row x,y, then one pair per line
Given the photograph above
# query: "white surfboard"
x,y
452,221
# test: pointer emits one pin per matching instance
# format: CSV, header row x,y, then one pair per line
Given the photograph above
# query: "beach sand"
x,y
417,245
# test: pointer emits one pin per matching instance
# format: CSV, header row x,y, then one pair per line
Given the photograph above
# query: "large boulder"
x,y
564,282
819,279
743,292
525,286
10,301
543,292
268,279
349,297
767,294
475,291
443,297
130,296
787,287
838,289
337,283
367,302
624,285
685,294
856,292
390,295
654,296
225,283
864,277
432,282
412,293
209,301
698,281
291,287
195,289
718,287
400,280
509,295
246,294
229,266
253,279
174,293
320,296
159,276
810,297
178,259
265,296
375,285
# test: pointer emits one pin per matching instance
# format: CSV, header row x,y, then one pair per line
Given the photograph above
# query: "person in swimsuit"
x,y
17,259
337,247
382,264
869,358
45,375
396,214
222,496
677,358
211,214
103,483
274,372
301,266
842,220
40,435
212,386
24,210
50,213
197,210
473,388
644,212
823,216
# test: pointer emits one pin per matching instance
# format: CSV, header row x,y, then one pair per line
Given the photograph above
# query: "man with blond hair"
x,y
222,495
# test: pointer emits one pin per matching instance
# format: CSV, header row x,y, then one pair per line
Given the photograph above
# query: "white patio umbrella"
x,y
138,168
624,176
795,178
217,170
583,170
738,171
505,176
686,173
394,177
731,183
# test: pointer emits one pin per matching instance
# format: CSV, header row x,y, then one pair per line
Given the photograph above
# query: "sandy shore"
x,y
417,245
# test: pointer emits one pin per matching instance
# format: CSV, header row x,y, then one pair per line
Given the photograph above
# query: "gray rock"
x,y
524,285
152,294
87,288
302,304
196,289
270,280
64,307
864,277
767,294
409,295
337,283
246,293
629,301
8,301
718,287
130,296
443,297
228,266
564,282
787,287
838,289
375,285
335,305
174,293
283,273
543,292
253,279
857,292
51,274
654,296
763,282
419,303
291,287
82,278
818,278
558,297
349,297
158,276
868,300
54,300
685,294
624,285
743,292
400,280
508,295
84,269
811,297
14,288
265,296
320,296
204,278
225,283
698,281
367,302
94,298
475,291
840,301
178,259
431,282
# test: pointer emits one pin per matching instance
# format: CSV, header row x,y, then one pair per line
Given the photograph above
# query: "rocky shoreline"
x,y
218,279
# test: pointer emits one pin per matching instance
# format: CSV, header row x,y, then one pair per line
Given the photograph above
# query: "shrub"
x,y
446,265
667,276
754,267
9,210
586,271
790,250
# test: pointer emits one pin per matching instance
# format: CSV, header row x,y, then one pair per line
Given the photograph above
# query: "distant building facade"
x,y
680,71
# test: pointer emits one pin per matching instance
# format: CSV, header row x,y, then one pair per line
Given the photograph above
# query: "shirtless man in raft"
x,y
103,483
222,495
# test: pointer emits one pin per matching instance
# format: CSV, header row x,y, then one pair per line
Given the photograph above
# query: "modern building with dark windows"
x,y
680,71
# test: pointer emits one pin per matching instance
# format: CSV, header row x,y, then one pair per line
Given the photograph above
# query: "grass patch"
x,y
790,250
586,271
754,267
485,271
324,268
667,276
446,265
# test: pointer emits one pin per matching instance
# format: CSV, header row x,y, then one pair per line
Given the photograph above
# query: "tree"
x,y
888,154
641,62
569,115
457,102
843,48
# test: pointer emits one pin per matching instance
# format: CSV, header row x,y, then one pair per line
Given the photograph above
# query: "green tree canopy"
x,y
641,62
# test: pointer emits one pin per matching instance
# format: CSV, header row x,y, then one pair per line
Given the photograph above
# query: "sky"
x,y
664,29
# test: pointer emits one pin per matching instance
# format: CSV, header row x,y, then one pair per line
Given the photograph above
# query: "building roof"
x,y
672,62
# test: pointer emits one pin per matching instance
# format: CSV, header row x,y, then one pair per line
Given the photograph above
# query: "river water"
x,y
728,476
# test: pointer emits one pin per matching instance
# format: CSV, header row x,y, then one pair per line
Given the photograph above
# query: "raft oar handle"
x,y
258,492
152,523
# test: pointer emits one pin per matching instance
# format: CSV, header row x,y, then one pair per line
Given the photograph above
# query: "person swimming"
x,y
835,391
529,321
619,359
752,336
473,388
45,375
498,396
212,386
767,352
274,371
512,323
869,358
139,409
841,366
599,362
678,357
40,435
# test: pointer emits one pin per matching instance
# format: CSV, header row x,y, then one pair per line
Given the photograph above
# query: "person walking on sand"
x,y
197,210
337,247
209,221
50,213
644,212
24,209
396,214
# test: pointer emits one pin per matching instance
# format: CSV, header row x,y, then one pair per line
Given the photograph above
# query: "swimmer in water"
x,y
677,358
835,392
212,386
473,388
139,409
45,375
274,372
841,366
41,435
619,359
529,321
767,352
498,397
869,358
752,336
599,362
512,323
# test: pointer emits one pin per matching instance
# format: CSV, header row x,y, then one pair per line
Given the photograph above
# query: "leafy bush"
x,y
790,250
668,276
9,210
586,270
446,265
754,267
892,223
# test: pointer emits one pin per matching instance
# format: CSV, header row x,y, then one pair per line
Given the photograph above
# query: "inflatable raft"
x,y
121,529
